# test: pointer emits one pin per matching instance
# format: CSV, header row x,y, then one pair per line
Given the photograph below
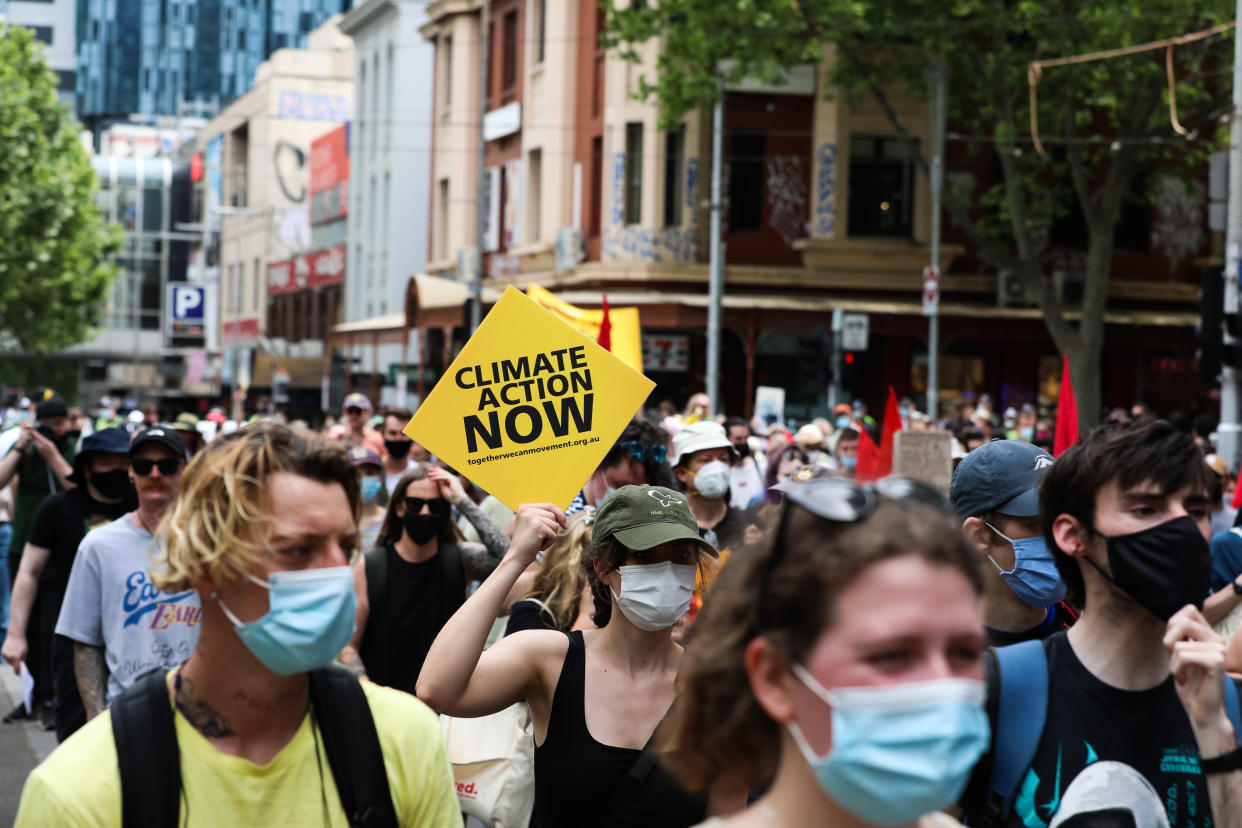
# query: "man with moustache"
x,y
103,492
120,624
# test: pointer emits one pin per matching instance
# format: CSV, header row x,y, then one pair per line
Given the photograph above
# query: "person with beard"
x,y
42,459
400,452
103,492
412,582
120,625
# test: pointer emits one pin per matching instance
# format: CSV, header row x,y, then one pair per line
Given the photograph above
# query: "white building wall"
x,y
60,15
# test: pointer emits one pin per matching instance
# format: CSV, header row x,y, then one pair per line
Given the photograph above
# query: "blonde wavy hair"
x,y
215,527
560,579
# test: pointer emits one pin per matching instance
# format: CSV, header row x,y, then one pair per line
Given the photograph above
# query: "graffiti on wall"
x,y
826,190
1178,219
645,244
787,195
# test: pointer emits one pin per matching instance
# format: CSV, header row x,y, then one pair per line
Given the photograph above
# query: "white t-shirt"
x,y
745,483
390,480
111,603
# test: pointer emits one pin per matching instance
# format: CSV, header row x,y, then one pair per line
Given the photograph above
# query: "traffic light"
x,y
1213,322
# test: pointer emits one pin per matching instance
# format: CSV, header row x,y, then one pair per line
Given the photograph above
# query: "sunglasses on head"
x,y
841,500
645,453
142,467
436,506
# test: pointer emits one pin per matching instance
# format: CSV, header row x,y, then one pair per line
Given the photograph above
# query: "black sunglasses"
x,y
436,506
645,453
142,467
840,500
353,410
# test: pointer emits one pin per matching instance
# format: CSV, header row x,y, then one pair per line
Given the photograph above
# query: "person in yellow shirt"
x,y
262,531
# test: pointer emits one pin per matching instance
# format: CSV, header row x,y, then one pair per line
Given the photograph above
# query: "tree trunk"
x,y
1085,361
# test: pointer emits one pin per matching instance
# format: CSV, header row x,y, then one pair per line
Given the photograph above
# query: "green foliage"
x,y
55,271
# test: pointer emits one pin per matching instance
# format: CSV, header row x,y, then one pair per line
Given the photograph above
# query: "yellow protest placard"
x,y
529,407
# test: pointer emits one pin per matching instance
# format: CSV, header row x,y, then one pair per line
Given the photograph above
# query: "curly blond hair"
x,y
214,528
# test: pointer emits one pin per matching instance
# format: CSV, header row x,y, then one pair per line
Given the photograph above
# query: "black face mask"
x,y
422,528
743,449
398,449
111,484
1163,568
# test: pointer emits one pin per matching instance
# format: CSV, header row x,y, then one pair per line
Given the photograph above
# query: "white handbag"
x,y
493,765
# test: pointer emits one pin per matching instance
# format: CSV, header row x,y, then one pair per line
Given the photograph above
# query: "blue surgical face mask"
x,y
843,421
848,462
901,750
370,488
1034,577
310,617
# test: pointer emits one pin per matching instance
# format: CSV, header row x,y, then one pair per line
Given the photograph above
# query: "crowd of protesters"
x,y
727,626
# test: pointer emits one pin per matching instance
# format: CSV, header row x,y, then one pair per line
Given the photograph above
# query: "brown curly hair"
x,y
722,735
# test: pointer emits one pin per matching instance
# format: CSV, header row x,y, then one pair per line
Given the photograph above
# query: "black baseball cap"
x,y
1001,476
162,434
104,441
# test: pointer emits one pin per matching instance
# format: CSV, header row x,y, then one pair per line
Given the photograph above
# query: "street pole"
x,y
938,104
1227,431
476,278
715,291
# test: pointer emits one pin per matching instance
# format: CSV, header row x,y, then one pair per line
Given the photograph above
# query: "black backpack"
x,y
146,749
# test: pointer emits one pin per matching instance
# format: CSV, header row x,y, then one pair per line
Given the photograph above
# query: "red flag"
x,y
1067,414
605,328
869,459
1237,493
892,425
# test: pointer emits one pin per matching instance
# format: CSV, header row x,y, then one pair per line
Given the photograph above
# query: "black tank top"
x,y
407,612
575,776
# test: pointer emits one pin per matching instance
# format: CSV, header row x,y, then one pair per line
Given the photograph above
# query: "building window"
x,y
491,63
510,51
541,29
534,178
595,204
43,34
442,219
241,39
633,173
257,288
746,182
881,192
674,158
448,70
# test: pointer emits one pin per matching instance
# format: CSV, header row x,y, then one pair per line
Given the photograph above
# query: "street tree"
x,y
1106,124
55,248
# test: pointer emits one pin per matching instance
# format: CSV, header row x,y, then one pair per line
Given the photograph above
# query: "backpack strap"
x,y
1232,708
353,748
146,752
376,562
1021,713
454,568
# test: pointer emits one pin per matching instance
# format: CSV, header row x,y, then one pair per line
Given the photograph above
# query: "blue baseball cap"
x,y
1001,476
105,441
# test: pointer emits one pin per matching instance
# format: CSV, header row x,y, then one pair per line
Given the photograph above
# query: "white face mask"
x,y
654,596
712,480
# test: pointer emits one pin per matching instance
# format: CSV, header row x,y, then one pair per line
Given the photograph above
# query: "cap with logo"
x,y
641,517
104,441
704,434
164,435
1000,476
356,400
52,405
363,456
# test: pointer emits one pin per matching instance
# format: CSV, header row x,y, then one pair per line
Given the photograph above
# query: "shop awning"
x,y
826,304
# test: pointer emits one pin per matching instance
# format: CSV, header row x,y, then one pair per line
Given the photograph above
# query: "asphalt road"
x,y
22,746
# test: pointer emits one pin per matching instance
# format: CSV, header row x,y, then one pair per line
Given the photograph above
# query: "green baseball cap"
x,y
641,517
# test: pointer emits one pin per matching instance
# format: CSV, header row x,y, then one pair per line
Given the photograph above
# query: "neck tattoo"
x,y
205,718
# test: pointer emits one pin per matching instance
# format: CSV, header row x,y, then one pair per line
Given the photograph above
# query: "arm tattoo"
x,y
91,671
350,660
494,539
480,561
205,718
